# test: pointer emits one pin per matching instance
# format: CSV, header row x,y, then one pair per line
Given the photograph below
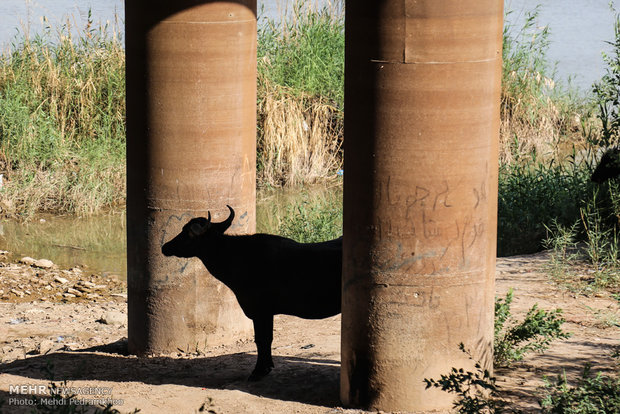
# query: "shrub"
x,y
534,333
476,391
591,394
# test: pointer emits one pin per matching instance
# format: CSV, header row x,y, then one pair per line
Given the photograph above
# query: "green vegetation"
x,y
62,144
533,334
539,118
62,122
546,200
585,233
590,395
476,391
62,118
608,94
306,216
300,96
534,195
305,53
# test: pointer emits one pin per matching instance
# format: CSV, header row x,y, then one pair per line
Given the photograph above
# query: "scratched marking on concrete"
x,y
432,227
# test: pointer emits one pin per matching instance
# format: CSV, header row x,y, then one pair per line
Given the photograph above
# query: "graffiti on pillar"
x,y
242,222
431,228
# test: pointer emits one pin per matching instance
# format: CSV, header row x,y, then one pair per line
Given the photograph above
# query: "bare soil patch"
x,y
82,340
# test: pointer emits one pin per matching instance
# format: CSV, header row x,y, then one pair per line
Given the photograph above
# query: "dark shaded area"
x,y
533,196
288,381
608,167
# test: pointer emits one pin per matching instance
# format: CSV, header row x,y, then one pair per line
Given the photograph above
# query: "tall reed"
x,y
301,95
62,120
540,119
62,109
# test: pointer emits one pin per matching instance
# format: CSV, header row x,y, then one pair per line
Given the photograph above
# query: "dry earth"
x,y
66,323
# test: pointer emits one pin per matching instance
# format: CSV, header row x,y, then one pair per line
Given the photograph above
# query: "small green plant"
x,y
591,394
308,222
585,255
476,391
533,334
562,241
601,245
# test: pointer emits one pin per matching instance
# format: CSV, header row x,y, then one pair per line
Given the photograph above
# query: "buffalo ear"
x,y
198,229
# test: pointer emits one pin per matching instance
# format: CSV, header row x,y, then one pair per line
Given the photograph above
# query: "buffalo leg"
x,y
263,336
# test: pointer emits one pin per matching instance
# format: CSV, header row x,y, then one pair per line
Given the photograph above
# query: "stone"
x,y
119,295
60,280
114,318
17,293
43,263
83,289
27,260
45,346
74,292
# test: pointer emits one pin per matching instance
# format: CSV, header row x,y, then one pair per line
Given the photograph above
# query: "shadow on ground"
x,y
289,380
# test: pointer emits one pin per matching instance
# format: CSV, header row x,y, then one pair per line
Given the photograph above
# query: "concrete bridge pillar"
x,y
191,147
422,93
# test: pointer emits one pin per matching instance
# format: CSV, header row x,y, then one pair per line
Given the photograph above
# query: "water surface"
x,y
96,243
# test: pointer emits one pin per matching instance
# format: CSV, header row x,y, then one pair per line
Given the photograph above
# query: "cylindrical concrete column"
x,y
422,92
191,148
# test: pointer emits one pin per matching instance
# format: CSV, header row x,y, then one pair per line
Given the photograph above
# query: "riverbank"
x,y
83,341
30,279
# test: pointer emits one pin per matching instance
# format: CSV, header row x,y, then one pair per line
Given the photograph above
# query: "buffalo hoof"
x,y
259,373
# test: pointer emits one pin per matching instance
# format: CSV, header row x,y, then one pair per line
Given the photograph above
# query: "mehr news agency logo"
x,y
37,394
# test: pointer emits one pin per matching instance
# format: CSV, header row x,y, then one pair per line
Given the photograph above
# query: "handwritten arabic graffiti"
x,y
430,228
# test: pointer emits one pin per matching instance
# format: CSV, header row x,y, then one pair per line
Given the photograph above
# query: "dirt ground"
x,y
71,326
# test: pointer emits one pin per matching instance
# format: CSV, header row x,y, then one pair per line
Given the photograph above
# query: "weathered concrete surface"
x,y
191,122
422,85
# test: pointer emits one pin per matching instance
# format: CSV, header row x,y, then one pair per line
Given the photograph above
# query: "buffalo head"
x,y
190,241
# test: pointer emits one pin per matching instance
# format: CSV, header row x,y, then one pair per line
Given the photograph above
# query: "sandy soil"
x,y
82,339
